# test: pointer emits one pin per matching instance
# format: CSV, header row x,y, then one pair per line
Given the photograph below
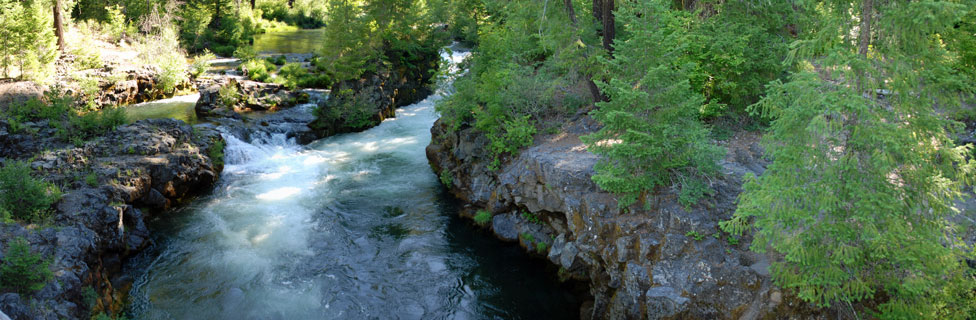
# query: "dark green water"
x,y
298,41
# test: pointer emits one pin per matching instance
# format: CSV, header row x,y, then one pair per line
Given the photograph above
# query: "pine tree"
x,y
651,136
864,174
23,270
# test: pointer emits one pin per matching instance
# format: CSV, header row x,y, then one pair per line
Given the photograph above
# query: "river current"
x,y
354,226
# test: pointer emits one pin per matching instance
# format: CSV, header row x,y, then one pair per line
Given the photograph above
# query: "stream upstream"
x,y
352,226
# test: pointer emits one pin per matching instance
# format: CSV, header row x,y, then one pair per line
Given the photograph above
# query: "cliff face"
x,y
665,261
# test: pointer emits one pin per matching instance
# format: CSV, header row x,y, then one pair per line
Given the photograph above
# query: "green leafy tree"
x,y
651,135
22,270
857,200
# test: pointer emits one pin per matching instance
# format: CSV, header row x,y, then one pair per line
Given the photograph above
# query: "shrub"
x,y
541,247
277,60
258,69
216,152
92,124
24,197
229,95
245,53
292,75
87,55
321,81
22,270
201,63
91,179
115,24
482,217
446,178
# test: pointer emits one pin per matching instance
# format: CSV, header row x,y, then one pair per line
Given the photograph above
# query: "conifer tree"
x,y
864,174
651,136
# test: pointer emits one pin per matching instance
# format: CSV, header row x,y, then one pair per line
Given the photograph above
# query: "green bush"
x,y
277,60
201,63
245,53
446,178
258,69
321,81
93,124
292,75
24,197
353,113
482,217
216,152
22,270
229,95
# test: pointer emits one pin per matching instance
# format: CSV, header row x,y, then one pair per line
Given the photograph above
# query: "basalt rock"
x,y
640,263
149,164
124,85
242,96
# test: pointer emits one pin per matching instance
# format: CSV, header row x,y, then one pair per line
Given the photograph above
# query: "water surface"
x,y
180,107
283,42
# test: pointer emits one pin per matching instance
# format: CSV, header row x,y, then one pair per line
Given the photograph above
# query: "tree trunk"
x,y
291,3
608,25
215,23
864,40
598,10
594,90
571,12
252,5
58,25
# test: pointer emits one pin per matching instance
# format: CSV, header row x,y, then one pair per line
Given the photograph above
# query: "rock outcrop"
x,y
124,85
662,262
111,185
251,107
356,105
241,96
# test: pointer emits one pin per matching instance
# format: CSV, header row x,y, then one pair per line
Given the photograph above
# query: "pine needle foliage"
x,y
858,198
651,136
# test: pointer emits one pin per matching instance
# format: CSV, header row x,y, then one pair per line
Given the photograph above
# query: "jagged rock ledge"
x,y
140,169
639,264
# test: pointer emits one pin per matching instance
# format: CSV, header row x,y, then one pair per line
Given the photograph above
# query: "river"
x,y
349,227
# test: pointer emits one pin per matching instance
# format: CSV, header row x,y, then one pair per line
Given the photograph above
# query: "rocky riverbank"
x,y
111,184
663,262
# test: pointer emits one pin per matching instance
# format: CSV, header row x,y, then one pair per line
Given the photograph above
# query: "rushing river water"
x,y
349,227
